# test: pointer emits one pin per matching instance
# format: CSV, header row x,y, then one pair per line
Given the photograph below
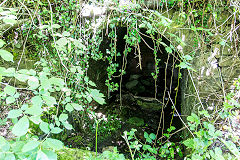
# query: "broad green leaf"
x,y
21,127
56,130
92,83
10,156
21,77
31,145
57,81
36,119
10,100
62,41
7,56
97,96
77,106
9,72
2,43
37,101
33,82
14,113
67,125
56,26
44,127
34,110
54,143
152,136
50,154
69,107
10,90
9,21
17,146
63,117
41,156
49,100
66,34
168,49
4,144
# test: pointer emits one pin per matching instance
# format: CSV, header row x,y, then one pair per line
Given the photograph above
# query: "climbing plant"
x,y
64,36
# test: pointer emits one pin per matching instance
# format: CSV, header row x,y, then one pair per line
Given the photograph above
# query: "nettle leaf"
x,y
10,90
14,113
21,127
7,56
2,43
44,127
63,117
53,143
31,145
33,82
10,100
77,106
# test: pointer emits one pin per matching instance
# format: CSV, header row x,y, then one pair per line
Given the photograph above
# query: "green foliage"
x,y
207,135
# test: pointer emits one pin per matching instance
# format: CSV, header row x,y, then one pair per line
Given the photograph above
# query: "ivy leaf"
x,y
21,127
2,43
44,127
53,143
31,145
10,100
7,56
14,113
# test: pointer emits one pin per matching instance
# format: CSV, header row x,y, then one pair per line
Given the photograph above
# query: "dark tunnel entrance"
x,y
141,102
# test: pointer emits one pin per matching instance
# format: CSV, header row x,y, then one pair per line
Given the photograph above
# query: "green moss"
x,y
74,154
149,105
136,121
